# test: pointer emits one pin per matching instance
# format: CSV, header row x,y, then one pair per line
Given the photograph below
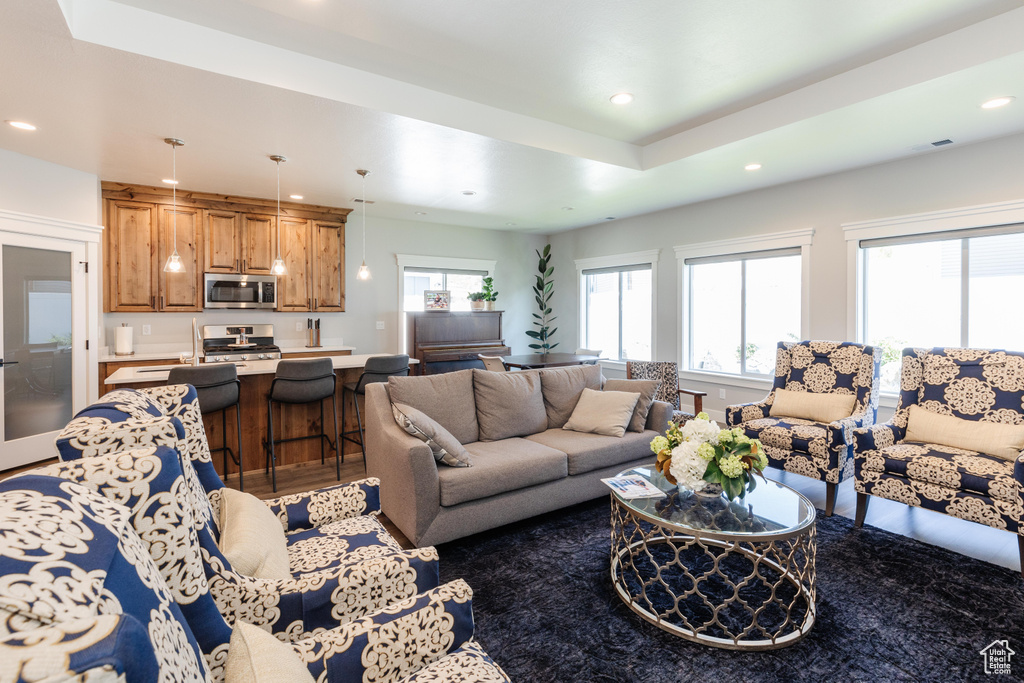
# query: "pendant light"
x,y
364,272
174,264
278,267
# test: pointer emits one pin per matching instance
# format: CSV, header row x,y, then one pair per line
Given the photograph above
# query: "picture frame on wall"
x,y
436,300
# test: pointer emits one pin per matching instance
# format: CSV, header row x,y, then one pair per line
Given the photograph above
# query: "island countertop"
x,y
158,373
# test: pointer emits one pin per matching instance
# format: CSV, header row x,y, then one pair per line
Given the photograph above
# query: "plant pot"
x,y
477,305
710,491
488,305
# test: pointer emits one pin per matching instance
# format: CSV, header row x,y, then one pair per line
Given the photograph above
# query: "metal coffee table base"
x,y
765,585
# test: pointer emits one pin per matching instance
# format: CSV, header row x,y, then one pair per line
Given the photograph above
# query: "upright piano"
x,y
445,341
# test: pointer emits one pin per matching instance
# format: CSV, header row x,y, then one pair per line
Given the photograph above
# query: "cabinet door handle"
x,y
315,305
163,302
309,303
152,301
236,265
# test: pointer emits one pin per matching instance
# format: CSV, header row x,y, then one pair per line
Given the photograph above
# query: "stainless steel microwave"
x,y
226,290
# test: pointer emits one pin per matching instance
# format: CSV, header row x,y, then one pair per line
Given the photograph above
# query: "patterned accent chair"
x,y
815,449
669,391
971,384
92,598
341,569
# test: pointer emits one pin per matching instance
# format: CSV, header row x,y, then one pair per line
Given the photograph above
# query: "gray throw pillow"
x,y
562,388
647,388
446,398
446,448
509,404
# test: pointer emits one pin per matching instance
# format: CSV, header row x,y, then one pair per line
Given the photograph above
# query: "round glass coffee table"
x,y
731,574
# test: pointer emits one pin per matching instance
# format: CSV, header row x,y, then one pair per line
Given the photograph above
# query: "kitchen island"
x,y
289,420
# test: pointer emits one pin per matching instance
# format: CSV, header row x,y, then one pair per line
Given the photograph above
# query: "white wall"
x,y
376,299
953,177
33,186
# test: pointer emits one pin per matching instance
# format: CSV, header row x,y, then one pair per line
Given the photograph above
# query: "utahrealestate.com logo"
x,y
997,657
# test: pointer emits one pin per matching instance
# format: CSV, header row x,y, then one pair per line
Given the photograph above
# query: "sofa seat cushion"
x,y
498,467
790,434
339,543
946,466
589,452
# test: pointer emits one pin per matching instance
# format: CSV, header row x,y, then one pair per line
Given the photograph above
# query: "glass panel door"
x,y
42,329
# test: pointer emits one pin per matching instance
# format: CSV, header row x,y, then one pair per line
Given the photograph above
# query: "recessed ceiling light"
x,y
295,196
621,98
752,167
510,224
609,218
421,213
169,181
469,193
22,125
568,208
997,102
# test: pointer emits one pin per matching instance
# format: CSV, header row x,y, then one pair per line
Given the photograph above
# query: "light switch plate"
x,y
146,329
721,394
380,324
298,326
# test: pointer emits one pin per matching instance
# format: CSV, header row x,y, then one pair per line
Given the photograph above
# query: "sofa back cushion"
x,y
647,388
994,438
816,407
509,404
447,398
562,387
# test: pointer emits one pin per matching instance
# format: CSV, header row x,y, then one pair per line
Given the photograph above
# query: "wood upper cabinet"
x,y
328,266
180,291
293,288
131,256
259,243
223,239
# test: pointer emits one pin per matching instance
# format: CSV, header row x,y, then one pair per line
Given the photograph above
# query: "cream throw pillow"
x,y
810,406
251,536
994,438
255,656
603,412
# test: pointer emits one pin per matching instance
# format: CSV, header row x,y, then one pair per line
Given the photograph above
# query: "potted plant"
x,y
476,301
543,290
490,296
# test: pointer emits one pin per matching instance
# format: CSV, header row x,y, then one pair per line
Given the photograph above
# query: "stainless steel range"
x,y
234,343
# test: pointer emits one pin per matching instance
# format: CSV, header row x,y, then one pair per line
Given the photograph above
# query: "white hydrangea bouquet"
x,y
700,454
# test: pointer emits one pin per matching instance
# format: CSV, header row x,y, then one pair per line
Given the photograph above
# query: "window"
x,y
955,288
740,307
617,304
459,282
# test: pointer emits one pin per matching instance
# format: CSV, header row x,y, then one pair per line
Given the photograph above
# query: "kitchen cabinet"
x,y
328,266
218,234
131,229
293,288
180,291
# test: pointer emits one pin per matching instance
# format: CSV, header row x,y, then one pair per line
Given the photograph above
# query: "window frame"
x,y
629,261
927,226
743,248
440,263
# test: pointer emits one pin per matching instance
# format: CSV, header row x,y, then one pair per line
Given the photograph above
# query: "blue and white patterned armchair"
x,y
342,569
81,592
971,384
815,449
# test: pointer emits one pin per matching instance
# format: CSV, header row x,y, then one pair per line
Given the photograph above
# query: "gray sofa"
x,y
523,462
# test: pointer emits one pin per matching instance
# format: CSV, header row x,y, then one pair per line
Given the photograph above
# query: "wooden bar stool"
x,y
297,382
218,388
377,369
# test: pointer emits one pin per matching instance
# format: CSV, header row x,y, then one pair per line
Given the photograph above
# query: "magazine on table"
x,y
633,486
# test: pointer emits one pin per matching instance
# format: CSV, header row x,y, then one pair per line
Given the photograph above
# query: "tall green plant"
x,y
542,291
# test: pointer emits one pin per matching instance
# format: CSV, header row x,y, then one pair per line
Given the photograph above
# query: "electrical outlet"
x,y
380,324
721,394
298,326
146,329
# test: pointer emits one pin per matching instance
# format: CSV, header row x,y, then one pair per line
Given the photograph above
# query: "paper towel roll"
x,y
123,341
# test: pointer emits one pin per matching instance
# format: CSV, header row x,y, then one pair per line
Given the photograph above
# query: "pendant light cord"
x,y
174,193
278,162
364,220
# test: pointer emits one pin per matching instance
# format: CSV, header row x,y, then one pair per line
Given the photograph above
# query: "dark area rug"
x,y
889,609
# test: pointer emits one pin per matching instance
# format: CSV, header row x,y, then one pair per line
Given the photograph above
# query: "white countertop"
x,y
177,353
158,373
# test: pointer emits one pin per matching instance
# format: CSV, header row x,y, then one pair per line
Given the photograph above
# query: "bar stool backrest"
x,y
379,368
303,381
216,384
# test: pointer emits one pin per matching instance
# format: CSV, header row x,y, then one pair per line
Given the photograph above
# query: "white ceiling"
x,y
509,99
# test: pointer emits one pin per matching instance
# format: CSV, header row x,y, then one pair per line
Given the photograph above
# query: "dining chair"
x,y
493,363
589,352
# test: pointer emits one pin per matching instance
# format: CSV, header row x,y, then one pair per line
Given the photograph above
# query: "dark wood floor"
x,y
968,538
